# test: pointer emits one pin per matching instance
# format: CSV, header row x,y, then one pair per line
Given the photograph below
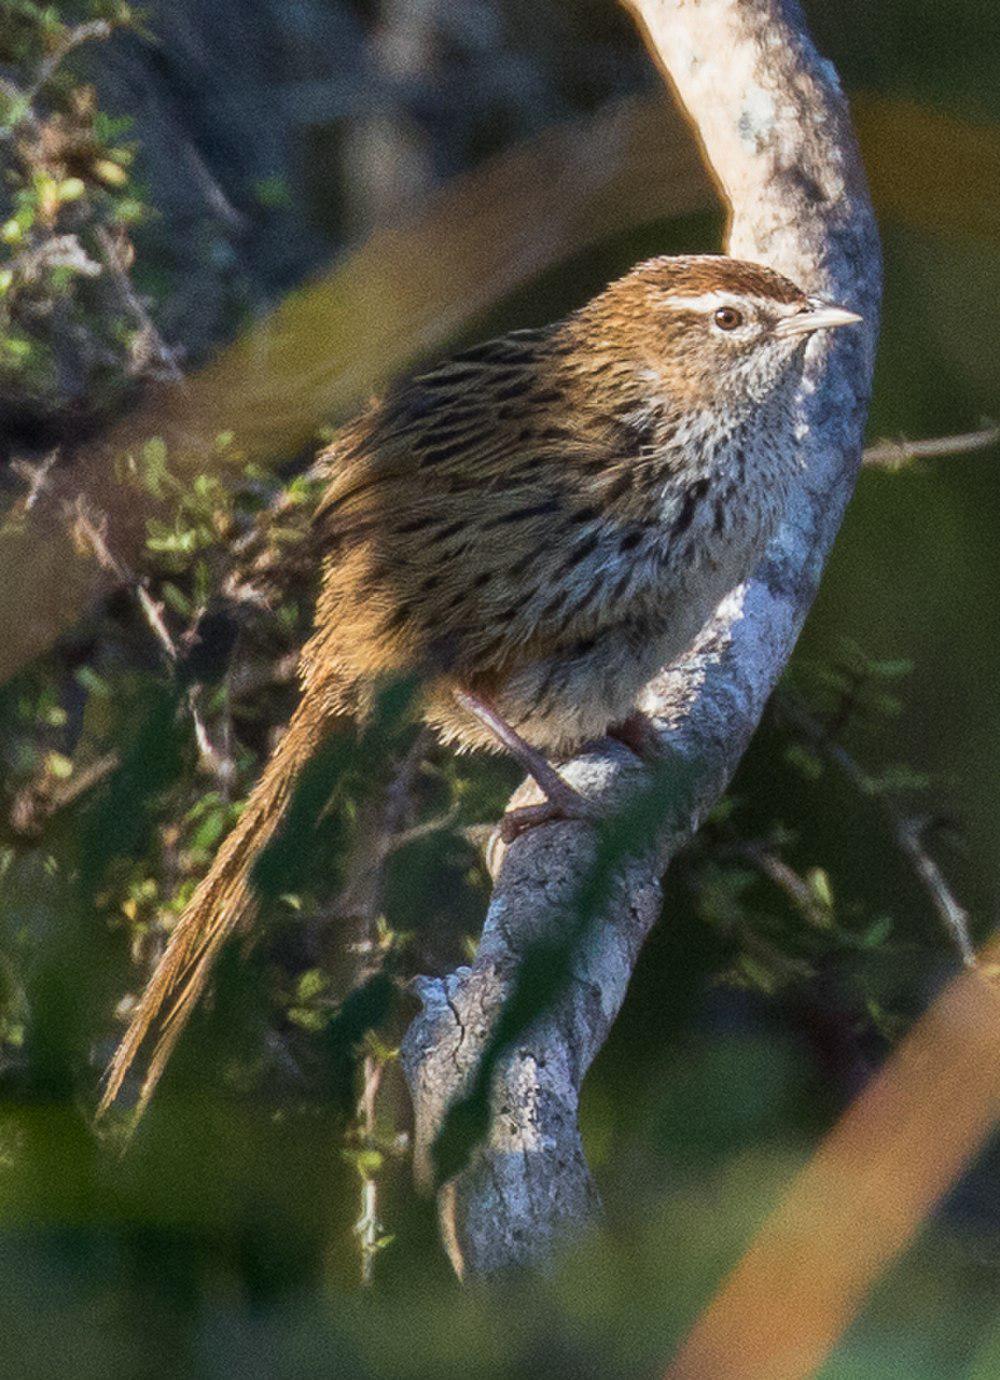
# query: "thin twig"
x,y
909,835
69,39
424,829
219,764
907,831
368,1227
83,779
158,353
896,454
36,476
54,252
361,895
361,899
766,861
92,529
40,800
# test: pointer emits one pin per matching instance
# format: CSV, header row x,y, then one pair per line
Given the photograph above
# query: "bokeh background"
x,y
283,204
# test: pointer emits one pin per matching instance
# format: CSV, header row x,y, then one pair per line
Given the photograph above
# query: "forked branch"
x,y
774,128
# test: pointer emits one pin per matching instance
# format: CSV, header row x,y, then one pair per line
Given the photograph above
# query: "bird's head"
x,y
706,331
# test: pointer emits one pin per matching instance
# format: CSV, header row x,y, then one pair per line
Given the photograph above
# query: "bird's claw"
x,y
560,805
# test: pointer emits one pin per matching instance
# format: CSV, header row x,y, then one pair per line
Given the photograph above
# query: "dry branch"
x,y
897,454
773,125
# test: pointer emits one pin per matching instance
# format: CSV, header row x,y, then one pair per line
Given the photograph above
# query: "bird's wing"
x,y
460,506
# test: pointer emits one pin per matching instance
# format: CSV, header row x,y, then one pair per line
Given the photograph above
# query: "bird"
x,y
533,528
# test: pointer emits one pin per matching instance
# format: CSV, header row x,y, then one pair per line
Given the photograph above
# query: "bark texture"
x,y
774,128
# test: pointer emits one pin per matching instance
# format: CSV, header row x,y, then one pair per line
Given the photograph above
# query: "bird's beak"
x,y
818,316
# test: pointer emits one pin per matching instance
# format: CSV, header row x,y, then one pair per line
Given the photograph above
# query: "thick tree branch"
x,y
773,126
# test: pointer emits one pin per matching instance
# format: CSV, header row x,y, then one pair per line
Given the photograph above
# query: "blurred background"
x,y
222,227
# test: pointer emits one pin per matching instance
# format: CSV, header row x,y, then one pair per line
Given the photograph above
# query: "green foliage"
x,y
779,910
67,311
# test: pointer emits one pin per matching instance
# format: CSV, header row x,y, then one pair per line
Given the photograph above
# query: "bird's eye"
x,y
728,318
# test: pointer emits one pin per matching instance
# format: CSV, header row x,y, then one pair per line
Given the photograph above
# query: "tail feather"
x,y
223,904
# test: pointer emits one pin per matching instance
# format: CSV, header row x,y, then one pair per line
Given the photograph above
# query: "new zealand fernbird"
x,y
533,527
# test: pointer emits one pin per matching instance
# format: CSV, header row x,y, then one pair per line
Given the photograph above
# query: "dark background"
x,y
269,138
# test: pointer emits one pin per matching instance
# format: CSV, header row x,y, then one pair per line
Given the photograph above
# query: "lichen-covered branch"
x,y
774,128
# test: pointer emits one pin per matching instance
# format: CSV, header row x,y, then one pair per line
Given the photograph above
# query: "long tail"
x,y
223,903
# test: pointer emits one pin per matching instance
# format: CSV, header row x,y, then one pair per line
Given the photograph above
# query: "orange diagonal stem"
x,y
862,1197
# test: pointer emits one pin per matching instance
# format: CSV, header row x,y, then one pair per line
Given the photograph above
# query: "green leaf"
x,y
311,984
818,882
898,778
153,465
368,1162
877,933
890,669
805,761
92,682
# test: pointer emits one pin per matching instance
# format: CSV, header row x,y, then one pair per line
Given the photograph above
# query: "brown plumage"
x,y
534,527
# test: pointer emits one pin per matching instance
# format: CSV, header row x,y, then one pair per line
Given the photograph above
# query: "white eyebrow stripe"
x,y
705,301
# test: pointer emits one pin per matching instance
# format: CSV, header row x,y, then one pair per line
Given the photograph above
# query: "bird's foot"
x,y
637,733
561,802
